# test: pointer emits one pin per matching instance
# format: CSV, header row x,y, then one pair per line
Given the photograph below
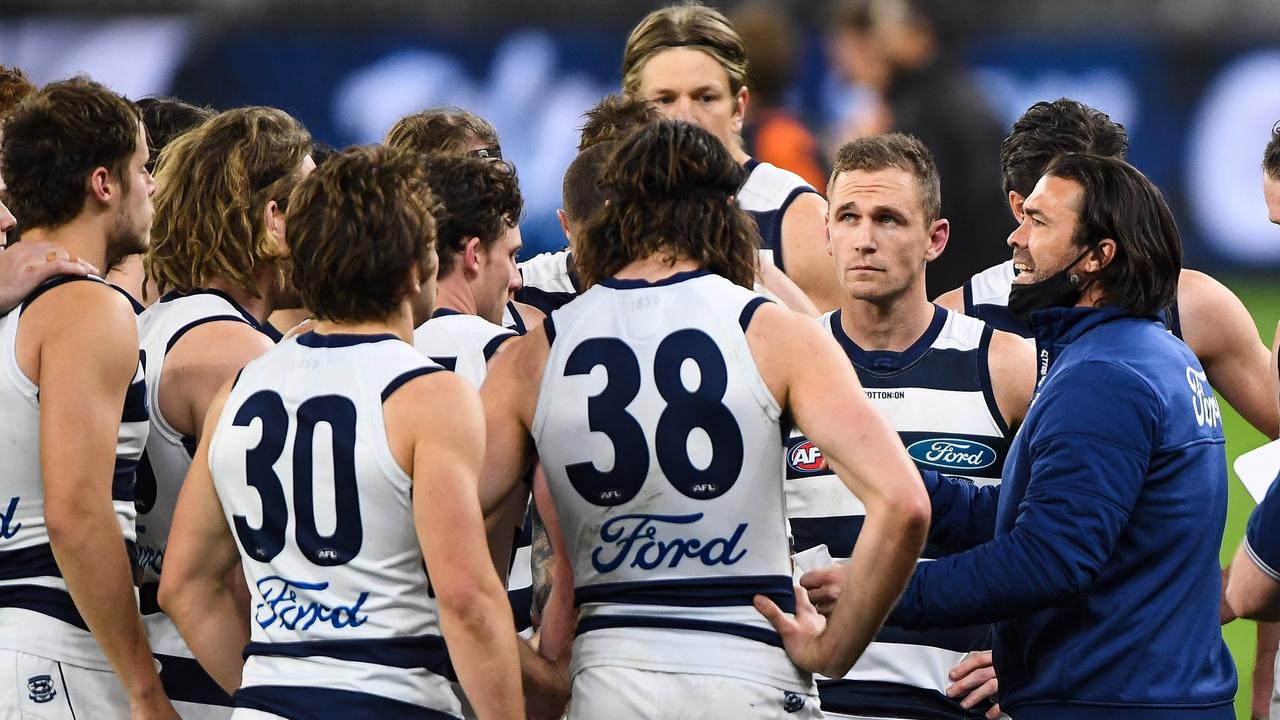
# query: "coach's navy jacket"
x,y
1102,572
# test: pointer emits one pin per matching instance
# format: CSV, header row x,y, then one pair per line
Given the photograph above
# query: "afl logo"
x,y
952,453
805,457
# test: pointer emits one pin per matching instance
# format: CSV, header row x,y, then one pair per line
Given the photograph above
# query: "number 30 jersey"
x,y
660,441
342,618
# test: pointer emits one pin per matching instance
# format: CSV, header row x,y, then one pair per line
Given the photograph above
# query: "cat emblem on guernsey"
x,y
639,538
952,453
40,688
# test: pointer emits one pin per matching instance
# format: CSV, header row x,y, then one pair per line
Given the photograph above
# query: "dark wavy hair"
x,y
1120,203
55,139
476,198
165,119
1049,129
356,227
614,118
14,86
669,187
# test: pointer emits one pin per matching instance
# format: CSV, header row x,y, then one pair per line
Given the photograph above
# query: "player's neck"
x,y
891,325
454,293
259,307
399,323
655,267
81,238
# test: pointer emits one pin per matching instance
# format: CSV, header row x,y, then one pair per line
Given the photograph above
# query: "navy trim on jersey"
x,y
999,317
967,290
679,277
321,703
314,339
148,598
891,700
135,403
694,592
601,622
248,317
950,370
123,479
984,377
173,340
545,300
444,312
35,561
1173,319
550,327
415,651
133,302
521,601
837,532
405,377
51,602
517,322
492,346
962,639
185,681
749,311
884,361
53,283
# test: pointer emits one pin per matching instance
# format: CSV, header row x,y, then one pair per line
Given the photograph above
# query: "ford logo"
x,y
952,453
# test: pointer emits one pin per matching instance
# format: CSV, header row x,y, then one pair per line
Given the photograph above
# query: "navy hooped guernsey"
x,y
938,396
659,440
343,621
766,195
37,614
160,474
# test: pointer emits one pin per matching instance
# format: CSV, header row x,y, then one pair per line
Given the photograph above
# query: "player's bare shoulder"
x,y
1012,362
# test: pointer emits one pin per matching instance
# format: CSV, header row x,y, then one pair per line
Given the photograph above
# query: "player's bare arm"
x,y
196,589
1250,592
79,342
808,373
1219,330
199,364
804,250
1012,361
783,289
445,460
509,395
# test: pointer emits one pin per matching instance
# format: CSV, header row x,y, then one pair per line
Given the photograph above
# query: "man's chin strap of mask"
x,y
1062,289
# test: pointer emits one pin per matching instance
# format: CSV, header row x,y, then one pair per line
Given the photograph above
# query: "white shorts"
x,y
37,688
620,693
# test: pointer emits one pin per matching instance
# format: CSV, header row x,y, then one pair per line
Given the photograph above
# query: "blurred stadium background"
x,y
1194,81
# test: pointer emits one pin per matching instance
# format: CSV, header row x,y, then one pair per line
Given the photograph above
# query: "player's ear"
x,y
740,107
1100,257
101,184
273,220
939,233
470,255
563,217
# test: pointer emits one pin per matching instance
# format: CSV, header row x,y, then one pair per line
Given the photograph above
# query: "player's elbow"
x,y
471,602
909,506
71,523
1252,603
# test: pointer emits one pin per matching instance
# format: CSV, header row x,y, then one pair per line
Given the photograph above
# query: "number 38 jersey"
x,y
343,622
659,439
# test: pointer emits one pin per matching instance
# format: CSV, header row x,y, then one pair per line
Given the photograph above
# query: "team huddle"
x,y
290,433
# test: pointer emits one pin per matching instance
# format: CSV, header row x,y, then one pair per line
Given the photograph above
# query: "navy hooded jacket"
x,y
1102,571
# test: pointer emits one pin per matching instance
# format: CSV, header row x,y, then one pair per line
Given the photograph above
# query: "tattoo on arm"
x,y
541,558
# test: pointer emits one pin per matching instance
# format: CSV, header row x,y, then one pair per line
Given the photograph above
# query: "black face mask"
x,y
1062,289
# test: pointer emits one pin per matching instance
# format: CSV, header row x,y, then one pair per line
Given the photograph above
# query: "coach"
x,y
1102,572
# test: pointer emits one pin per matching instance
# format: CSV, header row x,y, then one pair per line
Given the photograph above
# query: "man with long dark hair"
x,y
1103,536
655,402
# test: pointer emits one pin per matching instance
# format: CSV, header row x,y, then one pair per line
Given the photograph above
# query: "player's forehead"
x,y
1054,197
865,189
682,70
